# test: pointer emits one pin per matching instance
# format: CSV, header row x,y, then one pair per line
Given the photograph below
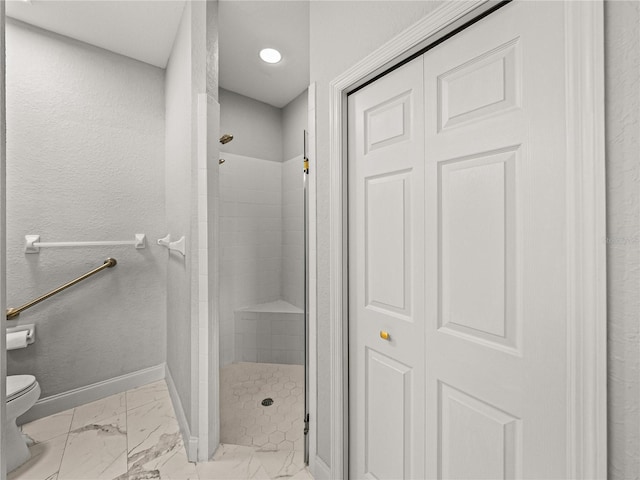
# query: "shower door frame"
x,y
586,263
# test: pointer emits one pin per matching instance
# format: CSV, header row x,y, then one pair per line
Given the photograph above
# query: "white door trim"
x,y
586,241
586,279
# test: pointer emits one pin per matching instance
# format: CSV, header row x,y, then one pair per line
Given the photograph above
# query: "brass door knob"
x,y
385,335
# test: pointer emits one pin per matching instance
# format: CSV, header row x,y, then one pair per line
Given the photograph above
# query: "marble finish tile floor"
x,y
245,421
135,436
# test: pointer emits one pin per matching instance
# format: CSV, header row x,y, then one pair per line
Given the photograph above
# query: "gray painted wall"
x,y
186,79
178,148
84,162
335,24
295,116
255,126
622,61
261,130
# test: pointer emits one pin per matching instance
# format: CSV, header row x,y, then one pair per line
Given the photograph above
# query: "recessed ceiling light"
x,y
270,55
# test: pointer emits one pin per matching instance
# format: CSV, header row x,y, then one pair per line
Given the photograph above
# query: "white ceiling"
x,y
145,30
246,27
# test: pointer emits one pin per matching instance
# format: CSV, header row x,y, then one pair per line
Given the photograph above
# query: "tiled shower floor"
x,y
135,436
245,421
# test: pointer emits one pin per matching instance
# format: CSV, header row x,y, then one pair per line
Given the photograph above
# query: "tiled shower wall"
x,y
262,242
250,239
293,232
269,337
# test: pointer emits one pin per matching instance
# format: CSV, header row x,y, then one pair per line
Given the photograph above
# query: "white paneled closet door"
x,y
386,281
457,250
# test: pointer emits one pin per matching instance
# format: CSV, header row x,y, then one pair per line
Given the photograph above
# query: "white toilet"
x,y
23,392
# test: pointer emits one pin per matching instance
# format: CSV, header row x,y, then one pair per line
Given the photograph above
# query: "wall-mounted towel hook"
x,y
178,245
165,241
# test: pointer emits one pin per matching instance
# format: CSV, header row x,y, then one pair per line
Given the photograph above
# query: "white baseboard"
x,y
90,393
191,443
319,469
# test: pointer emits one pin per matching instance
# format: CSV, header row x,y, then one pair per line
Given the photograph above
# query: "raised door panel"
x,y
476,102
388,416
486,85
478,248
387,246
388,122
477,440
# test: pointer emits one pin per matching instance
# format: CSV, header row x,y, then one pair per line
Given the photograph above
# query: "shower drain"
x,y
267,401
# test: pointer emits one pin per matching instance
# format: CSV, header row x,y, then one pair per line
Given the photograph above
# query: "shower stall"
x,y
262,261
262,274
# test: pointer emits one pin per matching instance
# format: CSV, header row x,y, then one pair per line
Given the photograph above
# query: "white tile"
x,y
279,464
146,394
96,451
49,427
279,342
150,424
44,462
203,287
303,474
248,355
203,318
279,356
296,342
227,209
249,341
233,462
202,181
246,324
98,411
202,208
263,327
279,326
295,358
166,459
203,257
263,341
265,355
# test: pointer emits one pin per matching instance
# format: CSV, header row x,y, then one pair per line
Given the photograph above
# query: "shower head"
x,y
226,138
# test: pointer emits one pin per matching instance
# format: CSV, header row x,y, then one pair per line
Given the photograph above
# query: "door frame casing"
x,y
585,213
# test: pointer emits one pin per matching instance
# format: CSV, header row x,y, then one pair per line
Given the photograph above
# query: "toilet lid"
x,y
17,384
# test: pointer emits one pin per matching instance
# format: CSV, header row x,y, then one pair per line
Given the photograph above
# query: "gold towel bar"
x,y
12,313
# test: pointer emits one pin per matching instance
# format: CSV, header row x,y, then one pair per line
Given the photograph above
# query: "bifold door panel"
x,y
387,197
